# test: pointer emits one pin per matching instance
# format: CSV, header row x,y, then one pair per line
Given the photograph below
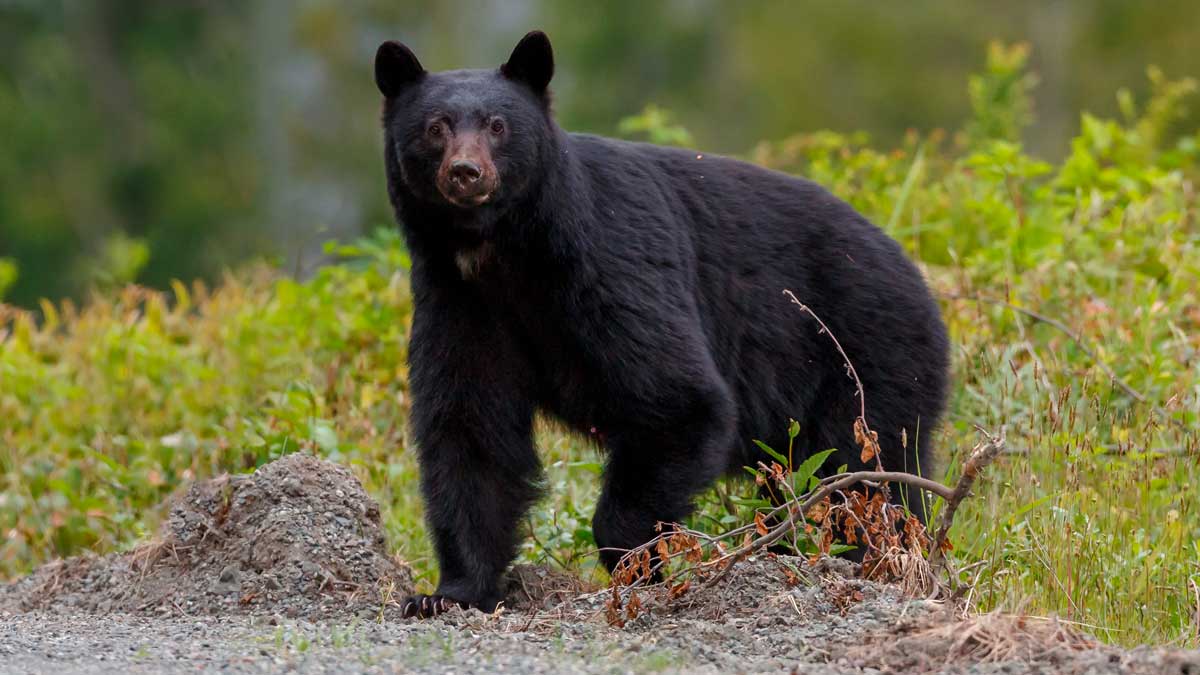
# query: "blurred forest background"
x,y
146,141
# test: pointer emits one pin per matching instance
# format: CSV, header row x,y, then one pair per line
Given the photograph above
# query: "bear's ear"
x,y
395,68
532,62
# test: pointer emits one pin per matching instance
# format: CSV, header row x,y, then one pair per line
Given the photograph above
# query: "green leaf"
x,y
325,436
914,174
752,503
808,469
770,451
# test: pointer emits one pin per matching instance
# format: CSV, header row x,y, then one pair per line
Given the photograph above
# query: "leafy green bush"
x,y
105,410
8,275
1094,516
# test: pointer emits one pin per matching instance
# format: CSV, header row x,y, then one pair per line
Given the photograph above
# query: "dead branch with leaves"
x,y
897,547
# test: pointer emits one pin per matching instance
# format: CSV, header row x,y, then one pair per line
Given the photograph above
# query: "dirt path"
x,y
286,570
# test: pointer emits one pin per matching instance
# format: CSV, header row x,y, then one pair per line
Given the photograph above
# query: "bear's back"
x,y
746,234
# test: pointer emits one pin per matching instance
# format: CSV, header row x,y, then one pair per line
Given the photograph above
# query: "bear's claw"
x,y
427,606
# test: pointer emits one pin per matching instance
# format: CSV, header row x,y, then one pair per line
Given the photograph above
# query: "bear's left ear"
x,y
531,62
395,68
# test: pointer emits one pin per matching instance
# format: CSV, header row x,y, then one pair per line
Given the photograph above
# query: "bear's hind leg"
x,y
654,473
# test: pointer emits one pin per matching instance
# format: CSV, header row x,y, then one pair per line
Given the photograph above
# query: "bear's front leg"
x,y
472,421
478,479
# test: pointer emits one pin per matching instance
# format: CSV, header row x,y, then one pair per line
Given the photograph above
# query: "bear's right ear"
x,y
395,68
532,62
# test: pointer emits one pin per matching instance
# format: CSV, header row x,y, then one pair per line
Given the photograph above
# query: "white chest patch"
x,y
472,260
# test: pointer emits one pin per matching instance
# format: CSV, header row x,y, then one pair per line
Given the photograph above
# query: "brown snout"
x,y
467,176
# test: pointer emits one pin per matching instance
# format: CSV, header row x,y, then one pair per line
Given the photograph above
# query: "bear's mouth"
x,y
468,193
469,201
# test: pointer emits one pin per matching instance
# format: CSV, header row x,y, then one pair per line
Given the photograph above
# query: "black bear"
x,y
632,291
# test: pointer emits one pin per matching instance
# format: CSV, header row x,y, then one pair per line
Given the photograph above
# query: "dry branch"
x,y
639,568
1196,618
647,562
981,456
868,439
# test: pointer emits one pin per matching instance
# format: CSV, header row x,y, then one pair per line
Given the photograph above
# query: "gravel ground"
x,y
286,570
789,629
762,641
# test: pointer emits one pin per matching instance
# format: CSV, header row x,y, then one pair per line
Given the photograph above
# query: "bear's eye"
x,y
497,127
435,129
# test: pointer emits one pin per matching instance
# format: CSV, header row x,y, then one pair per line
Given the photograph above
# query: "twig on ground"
x,y
862,399
1196,594
981,456
867,438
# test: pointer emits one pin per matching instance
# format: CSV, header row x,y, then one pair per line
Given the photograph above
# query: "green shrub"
x,y
8,275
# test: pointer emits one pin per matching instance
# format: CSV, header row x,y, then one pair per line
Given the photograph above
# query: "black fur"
x,y
637,291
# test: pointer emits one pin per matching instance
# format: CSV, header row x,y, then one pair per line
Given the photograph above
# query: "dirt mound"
x,y
781,614
1002,643
298,537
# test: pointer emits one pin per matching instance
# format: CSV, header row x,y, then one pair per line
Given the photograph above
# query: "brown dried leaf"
x,y
867,440
612,609
614,617
634,607
826,541
777,471
760,524
819,511
877,501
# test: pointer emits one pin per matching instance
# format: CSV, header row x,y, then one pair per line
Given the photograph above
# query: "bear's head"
x,y
470,142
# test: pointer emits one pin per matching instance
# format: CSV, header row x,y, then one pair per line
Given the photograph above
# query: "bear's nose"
x,y
465,172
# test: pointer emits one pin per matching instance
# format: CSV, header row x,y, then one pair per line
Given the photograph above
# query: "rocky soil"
x,y
299,538
286,569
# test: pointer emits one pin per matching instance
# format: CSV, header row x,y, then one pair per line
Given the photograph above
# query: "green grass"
x,y
105,409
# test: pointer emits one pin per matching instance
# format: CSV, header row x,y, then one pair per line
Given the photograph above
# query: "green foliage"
x,y
120,261
656,126
8,275
129,144
107,409
1001,97
1094,515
